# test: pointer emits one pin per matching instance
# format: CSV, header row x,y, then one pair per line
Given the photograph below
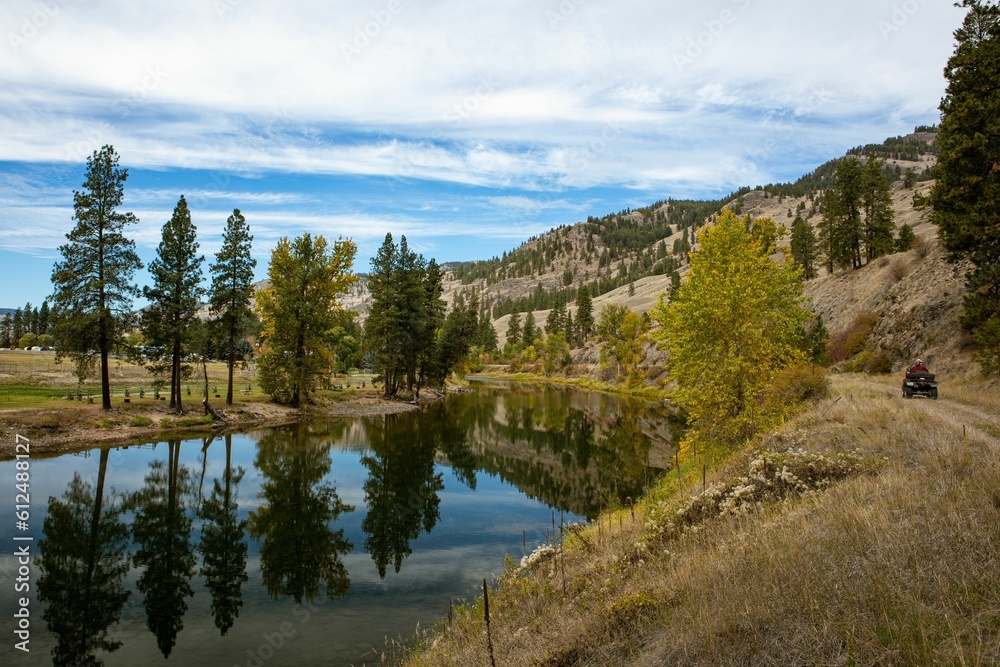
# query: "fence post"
x,y
486,614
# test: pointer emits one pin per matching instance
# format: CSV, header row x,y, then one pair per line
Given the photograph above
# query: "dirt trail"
x,y
976,419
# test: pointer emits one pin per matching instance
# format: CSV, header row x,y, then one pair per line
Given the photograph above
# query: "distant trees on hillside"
x,y
858,224
966,195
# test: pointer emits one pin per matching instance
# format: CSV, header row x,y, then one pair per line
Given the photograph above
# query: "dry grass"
x,y
899,563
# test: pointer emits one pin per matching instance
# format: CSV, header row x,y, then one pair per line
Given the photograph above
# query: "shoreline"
x,y
62,429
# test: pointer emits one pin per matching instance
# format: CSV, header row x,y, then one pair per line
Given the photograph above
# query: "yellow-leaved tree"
x,y
730,328
298,311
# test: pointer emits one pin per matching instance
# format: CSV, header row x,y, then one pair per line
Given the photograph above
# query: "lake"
x,y
309,544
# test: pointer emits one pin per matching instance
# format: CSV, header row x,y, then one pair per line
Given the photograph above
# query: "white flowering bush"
x,y
771,476
542,553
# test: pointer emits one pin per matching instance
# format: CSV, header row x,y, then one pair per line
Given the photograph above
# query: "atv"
x,y
920,383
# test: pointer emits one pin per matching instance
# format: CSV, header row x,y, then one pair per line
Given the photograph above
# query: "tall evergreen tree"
x,y
6,330
93,282
232,288
843,232
966,194
876,201
44,318
17,326
528,331
298,310
406,312
173,297
556,321
487,336
514,329
804,247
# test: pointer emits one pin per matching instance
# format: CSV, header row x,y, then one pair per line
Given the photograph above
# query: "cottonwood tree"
x,y
623,332
232,288
173,296
93,282
729,328
966,194
298,310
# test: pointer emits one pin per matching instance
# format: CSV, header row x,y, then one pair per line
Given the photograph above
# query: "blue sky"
x,y
468,127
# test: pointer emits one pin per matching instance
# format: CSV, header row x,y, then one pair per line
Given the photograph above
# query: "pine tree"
x,y
804,247
556,320
232,288
173,296
842,209
584,313
298,310
44,318
6,331
93,282
966,193
406,312
905,239
876,201
17,326
514,329
528,331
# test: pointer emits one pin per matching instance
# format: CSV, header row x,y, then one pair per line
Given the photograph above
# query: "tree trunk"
x,y
229,390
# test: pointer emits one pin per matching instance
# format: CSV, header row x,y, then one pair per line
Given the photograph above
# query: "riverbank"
x,y
866,530
61,426
584,383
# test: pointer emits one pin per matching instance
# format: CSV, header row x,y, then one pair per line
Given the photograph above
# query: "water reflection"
x,y
223,545
83,563
162,532
402,488
300,552
199,554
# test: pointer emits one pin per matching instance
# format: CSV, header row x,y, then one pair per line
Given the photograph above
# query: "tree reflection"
x,y
162,531
623,454
300,551
223,547
401,491
83,564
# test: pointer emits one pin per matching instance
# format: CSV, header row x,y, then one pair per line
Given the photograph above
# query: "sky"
x,y
466,126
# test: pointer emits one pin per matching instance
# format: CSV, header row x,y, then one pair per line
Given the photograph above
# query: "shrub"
x,y
796,384
921,246
899,269
849,342
141,421
870,361
770,476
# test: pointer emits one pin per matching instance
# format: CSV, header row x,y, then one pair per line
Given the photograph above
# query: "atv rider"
x,y
918,367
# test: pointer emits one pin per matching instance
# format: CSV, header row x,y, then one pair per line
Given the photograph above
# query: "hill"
x,y
628,258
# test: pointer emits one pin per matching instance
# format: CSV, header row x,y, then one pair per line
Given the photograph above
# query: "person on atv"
x,y
918,367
